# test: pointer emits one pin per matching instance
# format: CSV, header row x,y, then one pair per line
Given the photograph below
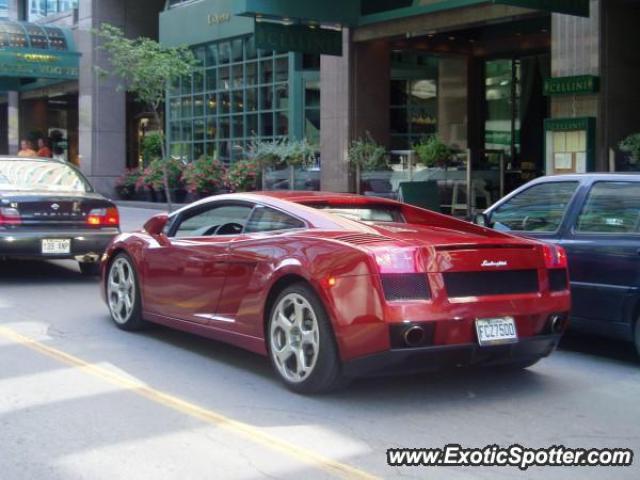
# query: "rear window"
x,y
362,213
612,207
28,175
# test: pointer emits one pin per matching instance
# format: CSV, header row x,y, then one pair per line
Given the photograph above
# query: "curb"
x,y
148,205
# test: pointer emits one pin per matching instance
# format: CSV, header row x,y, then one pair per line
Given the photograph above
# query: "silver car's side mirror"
x,y
482,219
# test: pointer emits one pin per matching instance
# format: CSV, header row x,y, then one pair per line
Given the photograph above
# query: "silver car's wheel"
x,y
122,293
301,342
295,337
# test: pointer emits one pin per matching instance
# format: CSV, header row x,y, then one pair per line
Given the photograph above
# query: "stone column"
x,y
336,118
575,50
13,99
101,107
371,90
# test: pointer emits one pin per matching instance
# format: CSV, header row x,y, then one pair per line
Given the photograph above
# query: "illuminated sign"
x,y
218,18
577,85
63,65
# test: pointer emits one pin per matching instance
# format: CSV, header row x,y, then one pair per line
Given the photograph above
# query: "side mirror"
x,y
155,225
483,220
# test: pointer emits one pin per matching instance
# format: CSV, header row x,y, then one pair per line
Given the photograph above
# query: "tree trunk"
x,y
163,150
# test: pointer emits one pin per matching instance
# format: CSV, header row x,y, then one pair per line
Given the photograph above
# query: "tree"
x,y
145,69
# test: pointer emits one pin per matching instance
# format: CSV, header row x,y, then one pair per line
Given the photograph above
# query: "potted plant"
x,y
631,146
243,176
365,154
268,154
126,184
433,152
154,179
204,176
151,147
298,153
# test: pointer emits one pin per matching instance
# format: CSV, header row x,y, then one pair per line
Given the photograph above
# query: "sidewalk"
x,y
148,205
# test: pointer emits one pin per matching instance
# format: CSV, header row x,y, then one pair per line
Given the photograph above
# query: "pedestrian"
x,y
43,148
58,153
26,149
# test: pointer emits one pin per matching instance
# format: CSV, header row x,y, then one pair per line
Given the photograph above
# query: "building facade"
x,y
49,86
543,85
520,88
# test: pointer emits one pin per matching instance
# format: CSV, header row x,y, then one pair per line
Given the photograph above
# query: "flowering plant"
x,y
129,178
153,175
204,175
243,175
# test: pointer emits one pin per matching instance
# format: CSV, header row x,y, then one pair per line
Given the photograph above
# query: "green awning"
x,y
30,52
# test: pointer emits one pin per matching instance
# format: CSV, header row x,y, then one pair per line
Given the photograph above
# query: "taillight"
x,y
9,216
104,217
555,256
396,260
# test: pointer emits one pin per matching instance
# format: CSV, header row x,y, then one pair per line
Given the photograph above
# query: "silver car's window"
x,y
30,175
539,208
611,207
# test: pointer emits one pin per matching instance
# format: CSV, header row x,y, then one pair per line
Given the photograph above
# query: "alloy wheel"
x,y
121,290
294,337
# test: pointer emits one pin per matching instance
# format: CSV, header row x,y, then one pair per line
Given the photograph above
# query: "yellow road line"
x,y
242,429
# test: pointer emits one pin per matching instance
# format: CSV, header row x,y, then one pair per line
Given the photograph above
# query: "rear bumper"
x,y
411,360
28,244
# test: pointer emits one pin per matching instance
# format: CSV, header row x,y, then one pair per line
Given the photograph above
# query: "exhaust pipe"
x,y
557,323
414,336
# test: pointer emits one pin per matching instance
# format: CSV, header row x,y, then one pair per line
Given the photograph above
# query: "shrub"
x,y
367,154
631,145
153,175
432,152
129,179
204,176
151,146
243,176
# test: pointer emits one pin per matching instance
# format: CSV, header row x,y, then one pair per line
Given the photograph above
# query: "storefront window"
x,y
236,95
414,98
42,8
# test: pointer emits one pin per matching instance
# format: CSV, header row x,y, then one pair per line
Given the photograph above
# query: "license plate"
x,y
496,331
56,246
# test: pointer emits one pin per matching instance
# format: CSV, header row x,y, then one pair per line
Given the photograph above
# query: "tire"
x,y
89,269
123,294
308,337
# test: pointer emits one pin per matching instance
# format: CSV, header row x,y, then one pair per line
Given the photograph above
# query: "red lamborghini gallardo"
x,y
335,286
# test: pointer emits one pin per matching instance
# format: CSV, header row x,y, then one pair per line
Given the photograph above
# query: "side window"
x,y
222,220
611,207
265,219
540,208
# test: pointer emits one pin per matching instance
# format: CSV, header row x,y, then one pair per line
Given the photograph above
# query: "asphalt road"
x,y
80,399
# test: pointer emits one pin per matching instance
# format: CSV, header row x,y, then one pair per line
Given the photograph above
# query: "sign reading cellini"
x,y
298,38
41,64
578,85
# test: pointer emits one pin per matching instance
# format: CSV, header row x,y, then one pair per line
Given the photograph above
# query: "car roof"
x,y
295,203
305,196
36,159
634,176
